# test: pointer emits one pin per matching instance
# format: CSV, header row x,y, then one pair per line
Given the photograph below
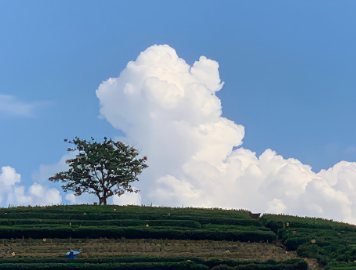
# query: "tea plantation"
x,y
133,237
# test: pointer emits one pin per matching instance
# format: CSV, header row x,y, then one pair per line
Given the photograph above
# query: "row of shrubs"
x,y
93,218
331,243
152,225
280,221
121,221
140,233
292,238
124,210
334,253
152,263
118,223
341,266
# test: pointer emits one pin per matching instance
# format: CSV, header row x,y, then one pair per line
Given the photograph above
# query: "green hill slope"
x,y
156,238
331,243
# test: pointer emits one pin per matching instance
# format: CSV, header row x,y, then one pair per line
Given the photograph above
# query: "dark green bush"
x,y
137,233
308,250
107,266
274,225
293,243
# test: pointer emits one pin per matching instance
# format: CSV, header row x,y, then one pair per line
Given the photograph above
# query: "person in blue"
x,y
72,254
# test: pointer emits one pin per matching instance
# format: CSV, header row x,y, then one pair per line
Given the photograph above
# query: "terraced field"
x,y
132,237
132,223
94,248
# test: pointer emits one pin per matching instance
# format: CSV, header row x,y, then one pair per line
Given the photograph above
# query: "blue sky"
x,y
288,68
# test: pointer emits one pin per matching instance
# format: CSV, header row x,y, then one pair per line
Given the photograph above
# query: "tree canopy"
x,y
104,169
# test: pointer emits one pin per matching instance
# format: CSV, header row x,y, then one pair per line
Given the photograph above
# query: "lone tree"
x,y
103,169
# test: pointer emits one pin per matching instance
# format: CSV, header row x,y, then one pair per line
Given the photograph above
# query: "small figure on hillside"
x,y
72,254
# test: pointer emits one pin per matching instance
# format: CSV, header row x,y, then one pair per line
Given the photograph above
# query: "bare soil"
x,y
148,247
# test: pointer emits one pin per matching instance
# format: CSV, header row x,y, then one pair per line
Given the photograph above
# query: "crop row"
x,y
276,222
331,243
140,233
153,263
123,210
101,248
118,223
127,221
148,226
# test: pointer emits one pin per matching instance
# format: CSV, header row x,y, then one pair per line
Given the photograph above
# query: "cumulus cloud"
x,y
169,110
11,193
85,198
9,177
10,105
127,199
45,171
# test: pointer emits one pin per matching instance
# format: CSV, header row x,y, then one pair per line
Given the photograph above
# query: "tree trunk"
x,y
105,195
103,200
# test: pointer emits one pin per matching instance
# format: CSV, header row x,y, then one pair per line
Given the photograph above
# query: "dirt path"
x,y
144,247
313,264
149,247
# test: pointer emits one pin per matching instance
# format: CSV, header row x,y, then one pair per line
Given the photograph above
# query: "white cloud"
x,y
169,111
9,177
71,197
11,193
127,199
276,206
85,198
10,105
46,171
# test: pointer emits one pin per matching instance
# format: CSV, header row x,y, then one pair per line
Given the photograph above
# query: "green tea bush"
x,y
274,225
308,222
135,262
309,250
293,243
341,266
35,223
138,233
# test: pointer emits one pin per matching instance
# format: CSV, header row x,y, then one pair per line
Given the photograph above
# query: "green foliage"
x,y
274,225
234,227
50,223
305,222
106,266
103,169
270,264
309,250
137,212
341,266
136,262
132,223
331,243
136,233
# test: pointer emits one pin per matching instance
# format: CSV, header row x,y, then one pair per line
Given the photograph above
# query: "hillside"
x,y
133,237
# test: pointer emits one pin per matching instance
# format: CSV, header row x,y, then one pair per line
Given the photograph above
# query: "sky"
x,y
236,104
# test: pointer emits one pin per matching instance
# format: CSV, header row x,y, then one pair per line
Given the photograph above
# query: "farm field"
x,y
331,243
133,237
94,248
